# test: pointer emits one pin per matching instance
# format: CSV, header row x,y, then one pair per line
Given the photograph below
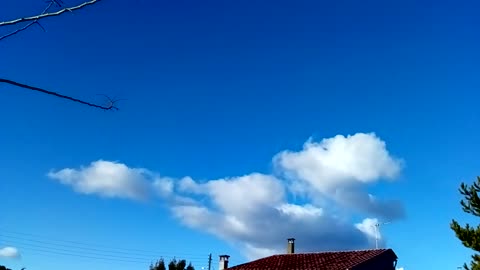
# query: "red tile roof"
x,y
340,260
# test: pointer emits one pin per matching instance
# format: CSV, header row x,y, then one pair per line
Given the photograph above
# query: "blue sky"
x,y
215,90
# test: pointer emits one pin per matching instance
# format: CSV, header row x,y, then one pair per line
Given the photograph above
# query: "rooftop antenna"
x,y
377,230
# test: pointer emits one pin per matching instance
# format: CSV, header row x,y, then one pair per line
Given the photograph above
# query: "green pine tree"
x,y
159,265
190,267
470,236
181,265
172,265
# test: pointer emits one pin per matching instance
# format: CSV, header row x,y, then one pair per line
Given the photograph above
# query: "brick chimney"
x,y
223,262
290,245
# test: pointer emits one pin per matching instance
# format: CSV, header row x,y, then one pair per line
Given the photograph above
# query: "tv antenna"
x,y
376,226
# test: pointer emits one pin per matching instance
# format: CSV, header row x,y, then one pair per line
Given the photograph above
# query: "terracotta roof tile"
x,y
340,260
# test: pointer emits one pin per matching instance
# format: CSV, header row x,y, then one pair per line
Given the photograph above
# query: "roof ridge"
x,y
342,257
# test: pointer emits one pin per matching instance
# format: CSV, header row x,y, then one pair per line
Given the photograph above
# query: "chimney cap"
x,y
291,240
224,257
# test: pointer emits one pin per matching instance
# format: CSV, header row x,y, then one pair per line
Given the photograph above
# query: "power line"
x,y
56,247
23,246
68,246
86,256
90,246
56,254
112,253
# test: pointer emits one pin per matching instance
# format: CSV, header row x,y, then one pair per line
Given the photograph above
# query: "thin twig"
x,y
58,2
29,24
111,105
17,31
41,26
50,14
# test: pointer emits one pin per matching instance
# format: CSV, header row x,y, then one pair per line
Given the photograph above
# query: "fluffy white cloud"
x,y
107,179
255,211
339,168
9,252
340,161
400,268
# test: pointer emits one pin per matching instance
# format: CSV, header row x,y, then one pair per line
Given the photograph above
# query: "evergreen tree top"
x,y
469,235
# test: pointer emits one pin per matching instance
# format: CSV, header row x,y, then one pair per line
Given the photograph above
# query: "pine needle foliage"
x,y
470,235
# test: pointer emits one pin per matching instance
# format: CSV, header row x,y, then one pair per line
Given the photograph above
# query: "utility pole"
x,y
210,261
377,229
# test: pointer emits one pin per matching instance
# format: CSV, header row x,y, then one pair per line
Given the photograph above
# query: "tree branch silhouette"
x,y
31,23
49,14
111,105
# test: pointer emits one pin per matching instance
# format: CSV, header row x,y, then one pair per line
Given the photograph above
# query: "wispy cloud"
x,y
254,211
9,252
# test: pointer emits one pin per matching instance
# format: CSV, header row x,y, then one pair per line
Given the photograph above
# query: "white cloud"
x,y
107,179
340,161
9,252
253,210
400,268
247,194
164,186
367,226
300,212
256,211
340,168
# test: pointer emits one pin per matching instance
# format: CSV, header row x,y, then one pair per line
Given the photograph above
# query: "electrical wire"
x,y
81,245
55,255
55,247
111,253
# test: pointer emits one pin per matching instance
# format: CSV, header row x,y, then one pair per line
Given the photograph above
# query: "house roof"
x,y
340,260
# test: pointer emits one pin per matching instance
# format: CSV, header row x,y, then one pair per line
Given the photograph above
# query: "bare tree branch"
x,y
50,14
59,3
110,106
17,31
29,24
